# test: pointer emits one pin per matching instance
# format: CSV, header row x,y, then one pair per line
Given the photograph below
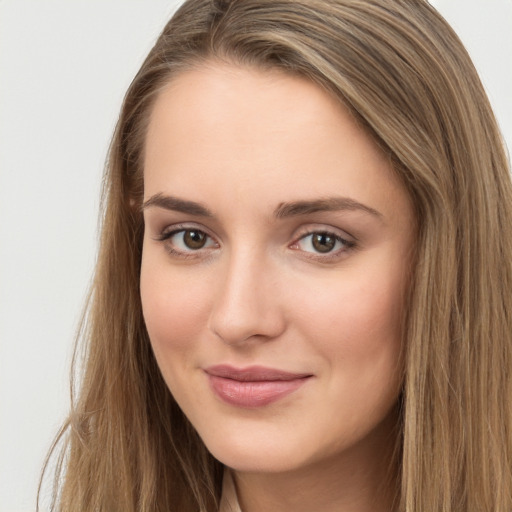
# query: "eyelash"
x,y
166,236
347,245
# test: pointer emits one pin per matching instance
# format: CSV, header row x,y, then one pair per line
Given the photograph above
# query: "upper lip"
x,y
252,373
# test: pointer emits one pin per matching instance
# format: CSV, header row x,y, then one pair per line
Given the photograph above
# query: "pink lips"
x,y
254,386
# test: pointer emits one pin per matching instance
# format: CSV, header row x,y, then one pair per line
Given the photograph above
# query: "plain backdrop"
x,y
64,68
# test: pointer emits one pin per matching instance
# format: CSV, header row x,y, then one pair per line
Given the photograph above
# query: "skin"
x,y
242,142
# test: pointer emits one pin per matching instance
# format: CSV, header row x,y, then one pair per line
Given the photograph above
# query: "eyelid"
x,y
323,228
172,229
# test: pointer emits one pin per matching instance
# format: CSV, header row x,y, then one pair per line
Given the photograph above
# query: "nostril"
x,y
236,326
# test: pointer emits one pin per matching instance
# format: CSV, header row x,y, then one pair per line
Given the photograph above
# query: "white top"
x,y
229,499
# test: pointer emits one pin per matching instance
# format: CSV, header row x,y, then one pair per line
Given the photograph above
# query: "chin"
x,y
252,455
283,448
257,461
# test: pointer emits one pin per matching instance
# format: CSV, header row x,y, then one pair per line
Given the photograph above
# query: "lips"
x,y
253,387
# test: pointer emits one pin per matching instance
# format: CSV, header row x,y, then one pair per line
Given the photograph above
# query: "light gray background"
x,y
64,67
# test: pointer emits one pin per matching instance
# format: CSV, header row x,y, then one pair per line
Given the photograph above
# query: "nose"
x,y
246,303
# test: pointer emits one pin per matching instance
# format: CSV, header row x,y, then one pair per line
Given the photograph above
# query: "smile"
x,y
253,387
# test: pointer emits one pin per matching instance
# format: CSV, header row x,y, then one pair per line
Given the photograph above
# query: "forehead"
x,y
237,103
221,130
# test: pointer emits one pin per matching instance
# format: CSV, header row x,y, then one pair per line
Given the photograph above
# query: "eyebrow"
x,y
284,210
175,204
329,204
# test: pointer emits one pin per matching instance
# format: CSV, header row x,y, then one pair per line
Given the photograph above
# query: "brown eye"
x,y
194,239
189,240
323,242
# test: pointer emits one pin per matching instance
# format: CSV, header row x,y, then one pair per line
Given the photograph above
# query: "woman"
x,y
302,293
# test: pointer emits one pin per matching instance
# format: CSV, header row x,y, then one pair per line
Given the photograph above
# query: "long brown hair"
x,y
406,77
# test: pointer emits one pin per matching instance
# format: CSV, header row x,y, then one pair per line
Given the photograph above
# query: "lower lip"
x,y
253,394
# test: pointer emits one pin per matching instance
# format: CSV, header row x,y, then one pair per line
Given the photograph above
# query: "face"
x,y
275,260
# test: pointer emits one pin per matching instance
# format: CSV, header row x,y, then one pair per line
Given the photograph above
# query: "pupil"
x,y
194,239
322,242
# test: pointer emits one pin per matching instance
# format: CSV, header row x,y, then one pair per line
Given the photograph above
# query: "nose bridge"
x,y
245,303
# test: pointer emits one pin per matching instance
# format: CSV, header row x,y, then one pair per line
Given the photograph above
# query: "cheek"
x,y
356,321
175,308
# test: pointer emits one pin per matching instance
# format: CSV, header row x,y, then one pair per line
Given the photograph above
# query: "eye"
x,y
323,242
187,240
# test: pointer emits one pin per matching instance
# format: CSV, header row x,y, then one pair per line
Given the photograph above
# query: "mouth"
x,y
253,387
